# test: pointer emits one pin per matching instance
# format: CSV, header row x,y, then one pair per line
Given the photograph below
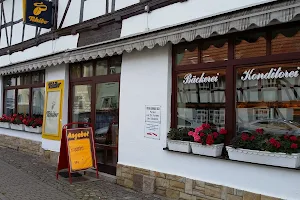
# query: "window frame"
x,y
18,87
231,66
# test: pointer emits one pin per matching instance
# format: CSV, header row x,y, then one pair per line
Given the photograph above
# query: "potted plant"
x,y
207,141
16,122
33,124
5,121
178,140
270,149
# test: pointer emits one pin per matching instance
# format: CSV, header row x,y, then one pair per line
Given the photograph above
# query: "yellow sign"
x,y
80,154
39,8
81,148
53,110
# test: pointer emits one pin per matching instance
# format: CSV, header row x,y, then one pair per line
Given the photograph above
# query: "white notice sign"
x,y
152,122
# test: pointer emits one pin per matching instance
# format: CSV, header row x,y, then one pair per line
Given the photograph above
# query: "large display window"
x,y
268,98
258,70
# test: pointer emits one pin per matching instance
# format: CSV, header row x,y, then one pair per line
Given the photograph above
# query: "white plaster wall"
x,y
145,80
46,48
181,12
93,8
21,134
59,72
125,3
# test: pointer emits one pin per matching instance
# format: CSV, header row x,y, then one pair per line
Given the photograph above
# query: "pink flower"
x,y
197,138
198,129
191,133
223,131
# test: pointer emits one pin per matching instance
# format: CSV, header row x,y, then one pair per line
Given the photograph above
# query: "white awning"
x,y
259,16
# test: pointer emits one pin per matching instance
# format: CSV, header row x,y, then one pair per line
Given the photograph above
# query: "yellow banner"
x,y
80,154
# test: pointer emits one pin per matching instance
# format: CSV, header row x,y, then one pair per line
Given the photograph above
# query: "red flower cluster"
x,y
275,143
206,136
210,139
16,119
260,131
5,118
247,137
32,121
294,146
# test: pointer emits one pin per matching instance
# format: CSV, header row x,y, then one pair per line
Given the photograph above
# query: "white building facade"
x,y
118,57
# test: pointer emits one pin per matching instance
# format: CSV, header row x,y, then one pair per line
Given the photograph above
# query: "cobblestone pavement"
x,y
26,177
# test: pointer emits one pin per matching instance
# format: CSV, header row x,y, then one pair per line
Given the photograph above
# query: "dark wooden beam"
x,y
65,14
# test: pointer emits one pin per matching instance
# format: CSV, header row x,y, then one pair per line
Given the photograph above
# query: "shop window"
x,y
110,65
251,45
268,97
286,41
24,93
213,51
87,69
201,99
187,54
101,67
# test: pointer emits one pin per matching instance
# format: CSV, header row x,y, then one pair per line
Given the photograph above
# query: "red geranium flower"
x,y
223,131
293,138
260,130
215,134
202,134
252,138
245,136
294,146
286,136
209,139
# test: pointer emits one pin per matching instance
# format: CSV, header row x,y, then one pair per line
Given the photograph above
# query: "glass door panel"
x,y
106,125
81,108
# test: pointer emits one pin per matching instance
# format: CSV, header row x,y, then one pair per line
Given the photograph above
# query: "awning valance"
x,y
248,18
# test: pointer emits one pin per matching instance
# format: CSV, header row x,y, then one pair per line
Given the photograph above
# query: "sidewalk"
x,y
25,177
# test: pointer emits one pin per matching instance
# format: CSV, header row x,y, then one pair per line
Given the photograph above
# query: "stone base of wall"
x,y
176,187
50,157
20,144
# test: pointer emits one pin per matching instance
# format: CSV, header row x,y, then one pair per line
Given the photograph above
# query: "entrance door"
x,y
106,125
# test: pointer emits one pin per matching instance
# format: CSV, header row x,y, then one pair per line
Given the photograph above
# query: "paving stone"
x,y
28,177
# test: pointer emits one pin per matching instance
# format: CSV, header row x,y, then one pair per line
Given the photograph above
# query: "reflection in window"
x,y
38,97
286,41
252,45
76,70
23,101
115,67
101,67
201,99
82,103
187,55
9,102
107,106
268,98
87,69
213,51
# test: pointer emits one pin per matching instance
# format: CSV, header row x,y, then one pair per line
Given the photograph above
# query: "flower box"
x,y
178,145
33,130
19,127
4,124
264,157
207,150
